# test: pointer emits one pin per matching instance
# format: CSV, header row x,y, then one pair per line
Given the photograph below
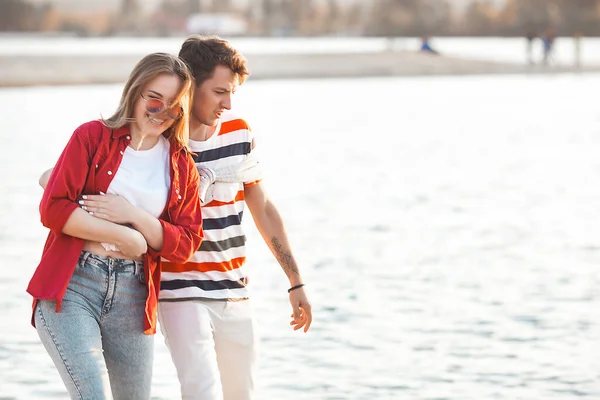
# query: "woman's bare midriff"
x,y
99,250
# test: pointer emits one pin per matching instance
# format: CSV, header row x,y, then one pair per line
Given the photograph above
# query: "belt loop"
x,y
83,258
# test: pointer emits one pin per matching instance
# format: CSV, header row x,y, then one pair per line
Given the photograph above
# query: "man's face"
x,y
213,96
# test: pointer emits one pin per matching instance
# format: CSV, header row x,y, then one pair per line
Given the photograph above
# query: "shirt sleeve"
x,y
66,182
183,234
254,154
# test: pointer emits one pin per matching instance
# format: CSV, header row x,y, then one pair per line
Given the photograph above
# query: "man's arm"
x,y
43,181
270,225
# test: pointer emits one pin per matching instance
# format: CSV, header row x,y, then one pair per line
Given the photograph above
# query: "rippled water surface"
x,y
447,229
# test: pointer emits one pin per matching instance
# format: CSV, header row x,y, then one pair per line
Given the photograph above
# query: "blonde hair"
x,y
146,70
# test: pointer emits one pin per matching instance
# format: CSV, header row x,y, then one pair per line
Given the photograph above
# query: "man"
x,y
548,42
530,37
204,311
426,46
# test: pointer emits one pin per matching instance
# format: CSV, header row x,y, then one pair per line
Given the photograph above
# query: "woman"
x,y
95,289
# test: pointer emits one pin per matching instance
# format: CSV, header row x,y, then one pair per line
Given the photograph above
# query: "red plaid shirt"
x,y
87,165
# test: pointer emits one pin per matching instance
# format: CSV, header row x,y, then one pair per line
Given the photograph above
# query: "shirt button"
x,y
121,152
128,137
176,190
96,165
110,172
179,197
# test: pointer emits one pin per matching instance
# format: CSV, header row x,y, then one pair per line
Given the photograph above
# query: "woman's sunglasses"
x,y
157,106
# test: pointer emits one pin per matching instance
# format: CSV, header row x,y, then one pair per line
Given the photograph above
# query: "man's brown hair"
x,y
202,54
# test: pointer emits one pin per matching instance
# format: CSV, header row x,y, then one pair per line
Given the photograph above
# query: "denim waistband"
x,y
117,264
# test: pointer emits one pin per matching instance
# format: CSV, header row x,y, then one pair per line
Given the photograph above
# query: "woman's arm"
x,y
116,209
183,233
82,225
59,210
177,239
66,181
150,227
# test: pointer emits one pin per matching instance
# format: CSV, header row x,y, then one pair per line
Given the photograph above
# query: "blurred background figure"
x,y
577,49
548,39
426,46
530,38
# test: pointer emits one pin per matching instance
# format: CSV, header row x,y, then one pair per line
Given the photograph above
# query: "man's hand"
x,y
43,181
109,207
301,310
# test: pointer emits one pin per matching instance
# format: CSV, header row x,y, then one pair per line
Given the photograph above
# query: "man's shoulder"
x,y
230,120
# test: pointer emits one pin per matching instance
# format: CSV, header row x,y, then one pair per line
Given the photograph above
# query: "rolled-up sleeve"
x,y
66,182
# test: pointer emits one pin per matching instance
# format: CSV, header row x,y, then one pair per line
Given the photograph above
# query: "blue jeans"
x,y
97,339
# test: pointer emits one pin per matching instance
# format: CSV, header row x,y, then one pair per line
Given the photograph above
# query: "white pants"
x,y
214,347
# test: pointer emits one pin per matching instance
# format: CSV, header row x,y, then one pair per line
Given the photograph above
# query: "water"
x,y
447,229
510,50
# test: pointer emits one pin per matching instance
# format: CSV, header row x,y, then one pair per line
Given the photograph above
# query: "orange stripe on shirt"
x,y
215,203
248,184
167,266
232,126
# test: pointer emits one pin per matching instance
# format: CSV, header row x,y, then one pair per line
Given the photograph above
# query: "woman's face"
x,y
163,88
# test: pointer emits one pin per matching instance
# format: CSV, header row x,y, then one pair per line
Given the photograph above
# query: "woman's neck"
x,y
141,141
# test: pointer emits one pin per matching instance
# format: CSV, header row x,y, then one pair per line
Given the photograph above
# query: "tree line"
x,y
331,17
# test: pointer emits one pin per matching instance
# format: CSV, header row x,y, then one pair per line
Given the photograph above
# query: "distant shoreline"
x,y
35,70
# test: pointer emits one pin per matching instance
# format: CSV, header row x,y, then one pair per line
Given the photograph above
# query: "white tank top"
x,y
143,179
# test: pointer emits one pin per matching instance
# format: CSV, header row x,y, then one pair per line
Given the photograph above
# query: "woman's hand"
x,y
132,244
109,207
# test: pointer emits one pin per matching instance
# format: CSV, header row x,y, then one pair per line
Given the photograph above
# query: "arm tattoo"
x,y
286,260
